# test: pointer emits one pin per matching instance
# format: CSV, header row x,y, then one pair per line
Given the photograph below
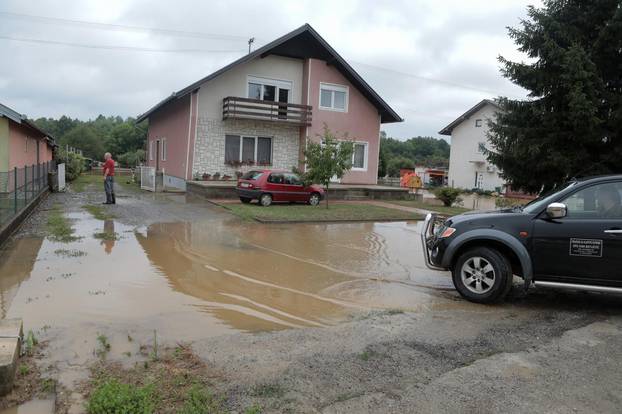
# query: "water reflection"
x,y
108,242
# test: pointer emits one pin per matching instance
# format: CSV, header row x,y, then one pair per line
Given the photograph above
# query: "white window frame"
x,y
163,149
277,83
334,88
256,139
151,142
365,155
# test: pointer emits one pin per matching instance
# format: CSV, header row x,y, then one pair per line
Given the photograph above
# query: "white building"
x,y
468,167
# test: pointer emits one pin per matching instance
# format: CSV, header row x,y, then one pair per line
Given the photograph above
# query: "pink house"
x,y
21,142
263,108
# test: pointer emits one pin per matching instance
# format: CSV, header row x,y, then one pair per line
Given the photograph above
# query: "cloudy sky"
x,y
430,59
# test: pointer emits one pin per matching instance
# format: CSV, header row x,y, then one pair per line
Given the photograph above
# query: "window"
x,y
164,149
276,178
602,201
478,123
232,148
266,89
252,175
333,97
292,179
249,150
481,147
264,151
151,150
359,156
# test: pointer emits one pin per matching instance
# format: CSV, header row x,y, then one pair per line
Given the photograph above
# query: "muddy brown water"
x,y
191,280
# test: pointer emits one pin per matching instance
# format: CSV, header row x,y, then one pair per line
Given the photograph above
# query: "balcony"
x,y
245,108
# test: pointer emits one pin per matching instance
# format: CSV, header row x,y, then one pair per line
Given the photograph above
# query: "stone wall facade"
x,y
209,146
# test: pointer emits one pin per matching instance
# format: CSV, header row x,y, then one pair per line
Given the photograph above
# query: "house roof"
x,y
301,43
447,130
23,120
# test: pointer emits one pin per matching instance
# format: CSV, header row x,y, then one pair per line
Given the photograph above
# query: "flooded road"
x,y
193,279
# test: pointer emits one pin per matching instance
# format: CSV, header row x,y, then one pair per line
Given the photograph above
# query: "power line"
x,y
119,27
428,79
112,47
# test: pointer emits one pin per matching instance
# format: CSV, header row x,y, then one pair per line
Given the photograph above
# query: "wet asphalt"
x,y
376,334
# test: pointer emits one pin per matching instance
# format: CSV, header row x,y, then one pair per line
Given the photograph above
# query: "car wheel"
x,y
482,275
314,199
265,200
245,200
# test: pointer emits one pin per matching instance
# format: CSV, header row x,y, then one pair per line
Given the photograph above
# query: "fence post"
x,y
15,188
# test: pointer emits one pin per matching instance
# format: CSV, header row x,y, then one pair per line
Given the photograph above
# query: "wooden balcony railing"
x,y
245,108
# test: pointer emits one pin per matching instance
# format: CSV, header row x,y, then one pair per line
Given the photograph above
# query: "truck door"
x,y
586,245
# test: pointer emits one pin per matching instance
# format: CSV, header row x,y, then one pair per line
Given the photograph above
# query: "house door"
x,y
157,154
479,180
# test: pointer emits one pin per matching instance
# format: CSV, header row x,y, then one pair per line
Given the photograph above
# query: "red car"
x,y
269,186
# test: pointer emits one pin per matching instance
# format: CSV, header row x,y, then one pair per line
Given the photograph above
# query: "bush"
x,y
114,397
74,164
447,195
131,159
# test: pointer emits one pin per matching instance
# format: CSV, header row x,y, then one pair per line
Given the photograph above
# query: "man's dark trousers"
x,y
109,187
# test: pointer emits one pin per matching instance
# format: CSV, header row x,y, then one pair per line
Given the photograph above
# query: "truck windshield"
x,y
546,198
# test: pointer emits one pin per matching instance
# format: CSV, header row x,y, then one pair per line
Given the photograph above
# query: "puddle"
x,y
191,280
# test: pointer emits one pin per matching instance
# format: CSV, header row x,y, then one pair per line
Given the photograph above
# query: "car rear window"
x,y
252,175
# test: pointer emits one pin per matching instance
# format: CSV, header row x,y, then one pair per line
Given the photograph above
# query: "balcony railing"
x,y
245,108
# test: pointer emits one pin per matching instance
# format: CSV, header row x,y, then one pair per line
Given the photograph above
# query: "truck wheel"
x,y
482,275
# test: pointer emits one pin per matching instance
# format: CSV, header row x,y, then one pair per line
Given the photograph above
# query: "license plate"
x,y
245,185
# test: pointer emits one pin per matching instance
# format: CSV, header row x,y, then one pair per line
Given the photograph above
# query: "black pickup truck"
x,y
571,238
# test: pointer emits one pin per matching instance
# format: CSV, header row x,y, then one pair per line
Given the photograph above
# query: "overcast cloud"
x,y
453,41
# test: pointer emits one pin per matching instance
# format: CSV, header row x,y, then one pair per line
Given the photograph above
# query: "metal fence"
x,y
147,178
20,186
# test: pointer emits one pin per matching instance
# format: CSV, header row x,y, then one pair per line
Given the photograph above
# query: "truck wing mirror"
x,y
556,210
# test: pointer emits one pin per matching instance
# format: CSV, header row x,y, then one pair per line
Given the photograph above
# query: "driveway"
x,y
343,317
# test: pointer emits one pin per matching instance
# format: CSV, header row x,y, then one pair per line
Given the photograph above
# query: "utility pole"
x,y
250,42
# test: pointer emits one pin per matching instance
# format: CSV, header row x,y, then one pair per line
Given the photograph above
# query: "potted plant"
x,y
226,177
216,176
239,174
206,176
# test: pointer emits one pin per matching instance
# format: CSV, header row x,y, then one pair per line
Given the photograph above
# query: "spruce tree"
x,y
571,124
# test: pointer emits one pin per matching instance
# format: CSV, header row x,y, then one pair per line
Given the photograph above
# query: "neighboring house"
x,y
21,142
261,109
468,167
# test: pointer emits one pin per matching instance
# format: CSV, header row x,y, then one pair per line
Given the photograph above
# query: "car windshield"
x,y
252,175
546,198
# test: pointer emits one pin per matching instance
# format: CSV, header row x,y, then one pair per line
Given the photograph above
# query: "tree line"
x,y
123,138
396,154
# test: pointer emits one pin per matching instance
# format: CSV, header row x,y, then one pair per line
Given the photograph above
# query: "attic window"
x,y
333,97
478,123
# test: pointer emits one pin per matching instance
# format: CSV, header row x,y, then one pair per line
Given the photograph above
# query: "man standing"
x,y
108,178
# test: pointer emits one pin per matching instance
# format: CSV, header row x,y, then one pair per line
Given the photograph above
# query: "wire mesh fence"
x,y
20,186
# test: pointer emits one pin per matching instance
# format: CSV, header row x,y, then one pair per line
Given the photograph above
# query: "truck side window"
x,y
602,201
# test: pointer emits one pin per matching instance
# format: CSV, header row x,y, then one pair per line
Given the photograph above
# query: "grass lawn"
x,y
452,211
306,213
80,184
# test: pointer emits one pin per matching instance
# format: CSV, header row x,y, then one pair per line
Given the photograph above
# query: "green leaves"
x,y
327,159
572,125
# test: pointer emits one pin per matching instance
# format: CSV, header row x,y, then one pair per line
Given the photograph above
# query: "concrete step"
x,y
37,406
10,341
355,197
